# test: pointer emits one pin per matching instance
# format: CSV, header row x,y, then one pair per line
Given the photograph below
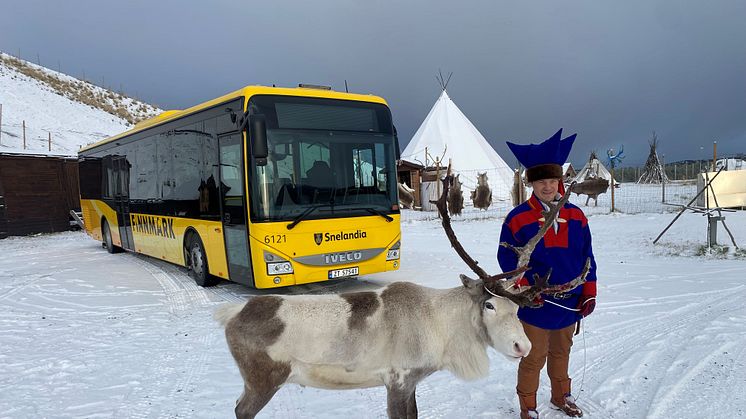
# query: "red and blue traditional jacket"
x,y
564,249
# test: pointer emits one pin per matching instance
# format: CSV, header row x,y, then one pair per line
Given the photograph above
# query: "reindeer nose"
x,y
521,350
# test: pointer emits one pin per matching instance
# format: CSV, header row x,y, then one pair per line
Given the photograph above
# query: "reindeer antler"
x,y
496,284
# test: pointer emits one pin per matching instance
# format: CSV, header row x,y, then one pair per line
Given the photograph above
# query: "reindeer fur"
x,y
406,195
481,196
593,187
455,197
393,337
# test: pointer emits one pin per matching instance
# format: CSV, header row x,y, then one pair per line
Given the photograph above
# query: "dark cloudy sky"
x,y
612,71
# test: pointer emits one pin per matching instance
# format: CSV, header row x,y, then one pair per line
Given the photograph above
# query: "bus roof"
x,y
246,92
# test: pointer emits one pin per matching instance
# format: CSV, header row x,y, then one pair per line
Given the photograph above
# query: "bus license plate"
x,y
341,273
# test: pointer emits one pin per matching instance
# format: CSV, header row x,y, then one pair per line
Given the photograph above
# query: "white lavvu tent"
x,y
446,132
594,168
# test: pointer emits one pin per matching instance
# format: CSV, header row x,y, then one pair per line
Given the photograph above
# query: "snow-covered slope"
x,y
74,112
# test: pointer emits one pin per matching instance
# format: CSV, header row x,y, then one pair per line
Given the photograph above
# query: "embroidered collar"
x,y
538,204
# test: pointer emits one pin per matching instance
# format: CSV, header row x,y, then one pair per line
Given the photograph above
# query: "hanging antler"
x,y
497,284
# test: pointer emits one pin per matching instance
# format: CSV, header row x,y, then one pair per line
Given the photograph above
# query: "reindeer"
x,y
481,196
393,337
455,198
592,187
406,195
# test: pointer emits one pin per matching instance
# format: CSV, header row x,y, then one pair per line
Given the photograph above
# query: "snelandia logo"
x,y
330,237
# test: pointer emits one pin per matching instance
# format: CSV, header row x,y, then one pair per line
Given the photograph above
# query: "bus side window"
x,y
107,177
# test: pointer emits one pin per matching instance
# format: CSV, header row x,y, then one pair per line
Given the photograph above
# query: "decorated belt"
x,y
562,295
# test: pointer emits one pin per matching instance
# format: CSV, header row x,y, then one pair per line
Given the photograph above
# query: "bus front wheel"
x,y
108,243
198,264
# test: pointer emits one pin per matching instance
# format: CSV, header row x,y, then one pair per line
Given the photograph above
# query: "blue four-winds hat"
x,y
545,160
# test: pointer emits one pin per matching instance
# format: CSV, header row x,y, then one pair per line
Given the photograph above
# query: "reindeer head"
x,y
456,184
502,285
482,179
499,321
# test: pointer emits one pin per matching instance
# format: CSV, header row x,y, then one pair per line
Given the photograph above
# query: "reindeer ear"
x,y
474,286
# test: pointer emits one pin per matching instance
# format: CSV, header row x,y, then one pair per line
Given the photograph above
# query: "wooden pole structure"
x,y
24,134
663,178
720,215
50,141
612,187
687,205
437,175
714,155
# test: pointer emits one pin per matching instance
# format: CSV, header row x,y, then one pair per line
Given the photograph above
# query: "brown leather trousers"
x,y
551,347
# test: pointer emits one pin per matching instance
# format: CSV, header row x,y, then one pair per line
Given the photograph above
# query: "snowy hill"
x,y
73,111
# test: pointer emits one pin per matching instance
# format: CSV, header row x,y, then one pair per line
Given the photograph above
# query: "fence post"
x,y
24,134
50,141
612,187
663,178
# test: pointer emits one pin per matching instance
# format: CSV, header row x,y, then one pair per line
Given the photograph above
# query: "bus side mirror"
x,y
258,136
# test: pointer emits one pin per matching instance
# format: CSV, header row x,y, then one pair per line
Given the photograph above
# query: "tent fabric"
x,y
447,132
594,168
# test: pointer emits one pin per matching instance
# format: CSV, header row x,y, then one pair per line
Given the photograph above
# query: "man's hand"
x,y
586,304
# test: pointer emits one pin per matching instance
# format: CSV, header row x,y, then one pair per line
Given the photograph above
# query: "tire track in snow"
x,y
668,397
668,335
15,289
183,298
195,366
182,293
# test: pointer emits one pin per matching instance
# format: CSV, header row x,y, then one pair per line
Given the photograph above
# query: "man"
x,y
564,249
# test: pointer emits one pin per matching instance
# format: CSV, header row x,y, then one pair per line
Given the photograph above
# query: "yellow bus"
x,y
265,186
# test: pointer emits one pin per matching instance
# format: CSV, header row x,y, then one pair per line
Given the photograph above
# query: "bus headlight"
x,y
393,253
277,265
279,268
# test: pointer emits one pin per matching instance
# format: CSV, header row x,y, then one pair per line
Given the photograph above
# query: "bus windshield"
x,y
339,173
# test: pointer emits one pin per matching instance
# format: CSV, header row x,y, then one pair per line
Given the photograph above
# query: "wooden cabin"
x,y
37,193
410,174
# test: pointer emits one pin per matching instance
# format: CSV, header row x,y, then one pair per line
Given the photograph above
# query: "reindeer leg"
x,y
412,406
397,398
252,401
262,378
400,387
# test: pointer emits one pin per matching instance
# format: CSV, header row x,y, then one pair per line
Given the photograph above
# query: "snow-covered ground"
x,y
86,334
44,111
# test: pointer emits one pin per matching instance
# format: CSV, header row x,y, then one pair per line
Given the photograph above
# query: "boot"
x,y
568,406
528,406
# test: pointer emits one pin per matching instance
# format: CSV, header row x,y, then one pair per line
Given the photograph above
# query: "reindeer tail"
x,y
226,312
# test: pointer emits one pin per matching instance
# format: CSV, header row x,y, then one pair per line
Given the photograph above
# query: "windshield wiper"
x,y
377,212
302,216
306,213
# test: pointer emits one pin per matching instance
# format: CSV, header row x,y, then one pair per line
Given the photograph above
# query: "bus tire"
x,y
108,242
198,264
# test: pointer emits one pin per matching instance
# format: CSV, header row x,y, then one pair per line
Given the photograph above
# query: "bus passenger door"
x,y
233,194
122,199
